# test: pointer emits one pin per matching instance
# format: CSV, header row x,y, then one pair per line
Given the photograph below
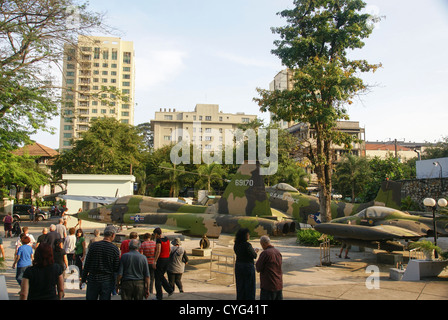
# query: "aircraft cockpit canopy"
x,y
375,213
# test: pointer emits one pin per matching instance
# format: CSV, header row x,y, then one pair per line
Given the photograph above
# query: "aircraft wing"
x,y
376,233
95,199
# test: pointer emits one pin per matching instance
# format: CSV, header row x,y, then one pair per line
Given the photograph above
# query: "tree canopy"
x,y
108,147
314,47
32,38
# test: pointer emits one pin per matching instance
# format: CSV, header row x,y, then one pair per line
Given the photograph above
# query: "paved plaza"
x,y
304,278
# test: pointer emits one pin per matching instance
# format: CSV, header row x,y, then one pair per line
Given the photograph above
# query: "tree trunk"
x,y
324,172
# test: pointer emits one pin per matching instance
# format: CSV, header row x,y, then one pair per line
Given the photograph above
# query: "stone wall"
x,y
424,188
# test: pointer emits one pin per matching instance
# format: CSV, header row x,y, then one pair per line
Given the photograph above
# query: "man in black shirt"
x,y
101,266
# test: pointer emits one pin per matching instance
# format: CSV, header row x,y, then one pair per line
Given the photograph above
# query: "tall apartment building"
x,y
98,81
169,126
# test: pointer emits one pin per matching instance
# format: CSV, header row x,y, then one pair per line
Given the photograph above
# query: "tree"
x,y
32,38
383,170
210,173
440,150
314,46
351,175
20,171
108,147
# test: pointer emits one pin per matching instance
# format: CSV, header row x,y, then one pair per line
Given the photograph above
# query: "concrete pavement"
x,y
304,278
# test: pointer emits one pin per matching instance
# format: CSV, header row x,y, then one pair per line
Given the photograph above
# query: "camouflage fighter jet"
x,y
245,204
380,227
302,207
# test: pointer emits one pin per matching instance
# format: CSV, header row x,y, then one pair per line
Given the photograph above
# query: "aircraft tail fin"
x,y
389,194
245,195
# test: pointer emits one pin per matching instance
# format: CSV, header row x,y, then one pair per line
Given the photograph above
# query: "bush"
x,y
310,237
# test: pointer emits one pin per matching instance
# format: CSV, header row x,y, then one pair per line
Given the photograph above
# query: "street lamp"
x,y
431,203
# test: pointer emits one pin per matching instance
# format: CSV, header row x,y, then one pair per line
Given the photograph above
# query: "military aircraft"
x,y
380,227
302,207
244,203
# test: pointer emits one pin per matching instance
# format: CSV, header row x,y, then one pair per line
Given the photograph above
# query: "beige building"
x,y
98,81
204,126
398,149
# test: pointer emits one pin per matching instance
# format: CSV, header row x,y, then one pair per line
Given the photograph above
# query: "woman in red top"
x,y
161,261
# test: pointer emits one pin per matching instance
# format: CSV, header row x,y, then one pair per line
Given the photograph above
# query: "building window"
x,y
103,111
96,53
167,138
127,58
126,84
208,118
127,69
114,54
125,121
67,143
125,106
168,117
126,76
125,114
94,110
245,120
67,128
106,54
67,135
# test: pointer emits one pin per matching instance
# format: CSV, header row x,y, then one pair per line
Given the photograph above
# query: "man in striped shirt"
x,y
148,249
101,266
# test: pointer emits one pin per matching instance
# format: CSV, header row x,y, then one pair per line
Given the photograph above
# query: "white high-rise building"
x,y
98,81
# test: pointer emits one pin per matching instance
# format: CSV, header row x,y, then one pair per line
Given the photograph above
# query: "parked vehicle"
x,y
21,213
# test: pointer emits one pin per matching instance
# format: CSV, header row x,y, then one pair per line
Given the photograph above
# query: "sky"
x,y
190,52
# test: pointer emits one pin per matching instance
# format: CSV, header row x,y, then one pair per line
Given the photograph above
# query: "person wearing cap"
x,y
176,267
101,265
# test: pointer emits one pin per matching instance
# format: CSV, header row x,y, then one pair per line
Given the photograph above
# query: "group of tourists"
x,y
131,269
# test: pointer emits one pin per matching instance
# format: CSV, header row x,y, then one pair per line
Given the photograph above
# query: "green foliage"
x,y
314,47
425,246
440,150
310,237
32,37
381,170
21,171
352,174
444,255
407,204
108,147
